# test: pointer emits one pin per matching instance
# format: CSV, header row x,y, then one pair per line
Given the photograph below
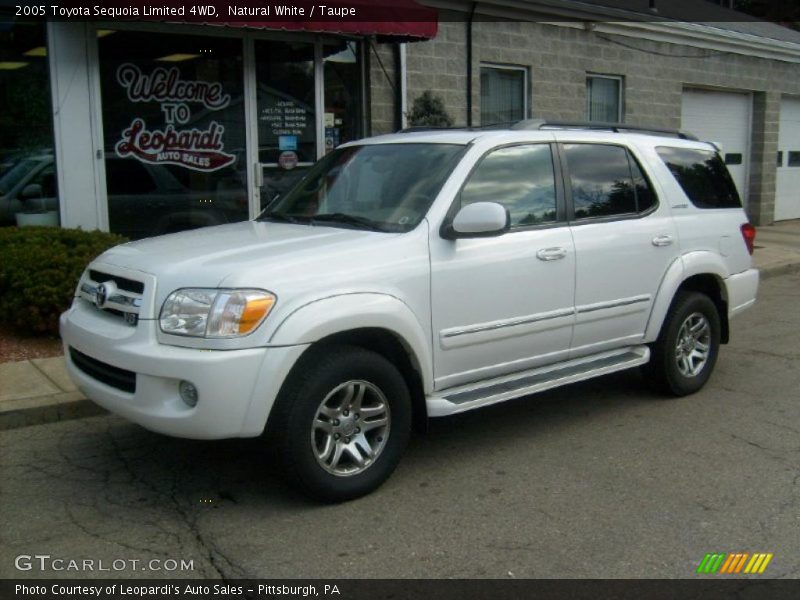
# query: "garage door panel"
x,y
787,189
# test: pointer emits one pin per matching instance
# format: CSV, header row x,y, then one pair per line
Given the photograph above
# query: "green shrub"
x,y
39,271
428,111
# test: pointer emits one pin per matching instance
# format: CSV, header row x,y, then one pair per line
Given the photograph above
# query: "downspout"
x,y
403,86
469,63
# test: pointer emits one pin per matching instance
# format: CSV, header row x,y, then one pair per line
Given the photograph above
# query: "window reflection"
x,y
521,178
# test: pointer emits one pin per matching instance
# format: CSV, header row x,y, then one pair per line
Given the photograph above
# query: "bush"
x,y
429,111
39,271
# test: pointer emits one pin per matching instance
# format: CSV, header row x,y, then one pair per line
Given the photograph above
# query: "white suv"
x,y
419,275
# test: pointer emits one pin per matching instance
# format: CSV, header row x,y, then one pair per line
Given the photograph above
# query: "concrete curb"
x,y
47,409
775,270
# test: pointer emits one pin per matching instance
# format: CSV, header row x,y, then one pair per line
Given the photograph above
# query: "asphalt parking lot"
x,y
601,479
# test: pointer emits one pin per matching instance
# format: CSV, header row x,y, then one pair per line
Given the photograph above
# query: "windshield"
x,y
384,187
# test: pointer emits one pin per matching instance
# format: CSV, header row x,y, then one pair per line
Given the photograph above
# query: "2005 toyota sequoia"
x,y
419,275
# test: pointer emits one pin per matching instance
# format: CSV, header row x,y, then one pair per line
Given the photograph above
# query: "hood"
x,y
207,256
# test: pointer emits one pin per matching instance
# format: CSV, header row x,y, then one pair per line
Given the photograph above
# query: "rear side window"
x,y
606,181
702,175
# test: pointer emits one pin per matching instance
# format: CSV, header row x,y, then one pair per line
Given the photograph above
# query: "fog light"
x,y
188,393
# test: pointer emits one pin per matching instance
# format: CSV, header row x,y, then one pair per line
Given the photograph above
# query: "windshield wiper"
x,y
346,219
275,216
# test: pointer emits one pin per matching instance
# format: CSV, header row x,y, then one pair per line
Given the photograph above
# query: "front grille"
x,y
112,376
123,283
123,299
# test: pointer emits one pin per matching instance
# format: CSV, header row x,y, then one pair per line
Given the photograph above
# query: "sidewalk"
x,y
38,391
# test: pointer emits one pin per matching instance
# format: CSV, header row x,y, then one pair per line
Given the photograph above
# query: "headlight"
x,y
215,313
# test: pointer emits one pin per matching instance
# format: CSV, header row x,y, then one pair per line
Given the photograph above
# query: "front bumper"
x,y
236,388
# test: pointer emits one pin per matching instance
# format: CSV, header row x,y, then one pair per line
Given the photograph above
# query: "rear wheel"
x,y
685,353
341,423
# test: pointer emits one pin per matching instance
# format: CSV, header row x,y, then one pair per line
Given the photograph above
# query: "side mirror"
x,y
32,190
480,219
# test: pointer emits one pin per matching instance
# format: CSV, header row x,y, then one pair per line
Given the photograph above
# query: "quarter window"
x,y
702,175
521,178
606,181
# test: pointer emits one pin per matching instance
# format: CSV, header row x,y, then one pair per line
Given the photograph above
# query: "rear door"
x,y
624,242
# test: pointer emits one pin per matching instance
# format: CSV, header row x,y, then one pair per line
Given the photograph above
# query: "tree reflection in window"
x,y
702,175
521,178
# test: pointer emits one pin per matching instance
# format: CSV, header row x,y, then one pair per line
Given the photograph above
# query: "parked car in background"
x,y
29,184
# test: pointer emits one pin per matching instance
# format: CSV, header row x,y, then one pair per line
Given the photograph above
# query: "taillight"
x,y
749,235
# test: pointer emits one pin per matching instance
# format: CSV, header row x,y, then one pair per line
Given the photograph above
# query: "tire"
x,y
683,357
319,429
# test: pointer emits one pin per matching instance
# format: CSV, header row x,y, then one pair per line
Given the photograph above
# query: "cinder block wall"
x,y
558,59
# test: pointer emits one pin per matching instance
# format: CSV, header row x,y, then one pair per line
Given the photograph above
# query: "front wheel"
x,y
342,422
686,351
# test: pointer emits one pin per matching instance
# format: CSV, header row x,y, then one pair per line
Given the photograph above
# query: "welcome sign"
x,y
178,143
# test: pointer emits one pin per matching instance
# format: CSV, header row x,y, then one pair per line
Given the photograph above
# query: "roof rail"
x,y
541,124
416,128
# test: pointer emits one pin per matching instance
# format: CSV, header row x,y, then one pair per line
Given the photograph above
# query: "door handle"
x,y
551,253
662,240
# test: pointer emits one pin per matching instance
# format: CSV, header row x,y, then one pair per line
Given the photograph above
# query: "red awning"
x,y
402,19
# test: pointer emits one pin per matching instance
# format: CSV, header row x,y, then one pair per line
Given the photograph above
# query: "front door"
x,y
504,304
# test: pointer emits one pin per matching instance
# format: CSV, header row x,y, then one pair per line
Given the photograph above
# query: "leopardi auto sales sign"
x,y
177,143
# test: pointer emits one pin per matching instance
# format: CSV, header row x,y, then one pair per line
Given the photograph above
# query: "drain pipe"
x,y
469,63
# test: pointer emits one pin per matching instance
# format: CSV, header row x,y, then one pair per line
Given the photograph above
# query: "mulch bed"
x,y
15,346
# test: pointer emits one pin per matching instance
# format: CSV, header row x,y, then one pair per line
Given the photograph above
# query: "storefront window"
x,y
174,128
27,163
287,137
343,110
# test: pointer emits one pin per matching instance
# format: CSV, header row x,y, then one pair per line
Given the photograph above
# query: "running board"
x,y
475,395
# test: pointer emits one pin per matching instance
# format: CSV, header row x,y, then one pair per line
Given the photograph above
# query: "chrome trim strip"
x,y
613,304
127,302
509,323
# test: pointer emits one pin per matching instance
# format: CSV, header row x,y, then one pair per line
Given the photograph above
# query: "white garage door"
x,y
787,192
722,117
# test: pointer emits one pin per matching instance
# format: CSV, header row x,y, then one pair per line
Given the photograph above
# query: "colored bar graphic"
x,y
711,563
733,563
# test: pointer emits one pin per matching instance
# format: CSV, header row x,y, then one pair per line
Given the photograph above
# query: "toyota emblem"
x,y
103,293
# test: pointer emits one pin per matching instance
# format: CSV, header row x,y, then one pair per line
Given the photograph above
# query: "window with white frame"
x,y
504,94
604,98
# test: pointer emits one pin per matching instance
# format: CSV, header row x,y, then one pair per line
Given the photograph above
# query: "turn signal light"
x,y
749,235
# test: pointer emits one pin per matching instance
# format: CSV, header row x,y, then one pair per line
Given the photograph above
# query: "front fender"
x,y
682,268
336,314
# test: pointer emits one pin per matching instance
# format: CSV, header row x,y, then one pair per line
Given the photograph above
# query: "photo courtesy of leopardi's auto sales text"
x,y
364,299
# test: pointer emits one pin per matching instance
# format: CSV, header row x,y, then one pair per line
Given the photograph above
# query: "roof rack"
x,y
541,124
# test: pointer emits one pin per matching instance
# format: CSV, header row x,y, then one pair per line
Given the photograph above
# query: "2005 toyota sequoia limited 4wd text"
x,y
419,275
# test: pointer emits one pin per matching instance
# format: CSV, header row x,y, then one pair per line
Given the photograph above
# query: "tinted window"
x,y
601,180
702,175
521,178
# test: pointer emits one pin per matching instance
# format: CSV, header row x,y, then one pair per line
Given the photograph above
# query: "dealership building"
x,y
142,128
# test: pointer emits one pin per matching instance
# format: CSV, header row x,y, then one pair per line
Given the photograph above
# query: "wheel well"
x,y
394,349
711,286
